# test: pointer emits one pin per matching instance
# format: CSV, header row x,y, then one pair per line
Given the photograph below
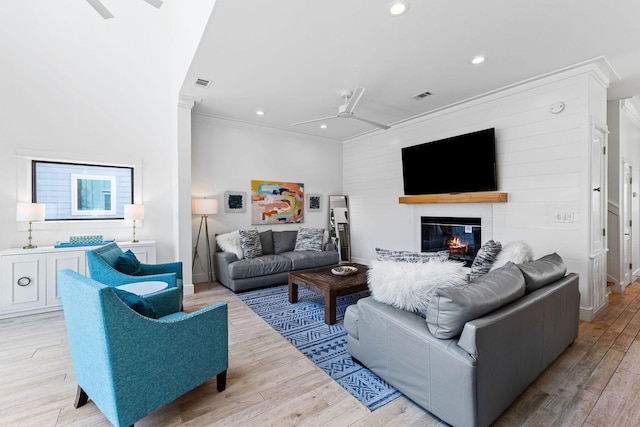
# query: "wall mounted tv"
x,y
460,164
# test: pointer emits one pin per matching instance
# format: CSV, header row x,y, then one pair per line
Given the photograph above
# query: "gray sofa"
x,y
273,267
471,378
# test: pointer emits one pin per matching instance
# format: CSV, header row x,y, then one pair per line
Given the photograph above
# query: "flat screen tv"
x,y
460,164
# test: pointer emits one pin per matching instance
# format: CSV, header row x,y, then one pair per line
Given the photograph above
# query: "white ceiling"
x,y
292,58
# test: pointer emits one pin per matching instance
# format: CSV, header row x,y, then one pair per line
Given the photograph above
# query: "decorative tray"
x,y
344,270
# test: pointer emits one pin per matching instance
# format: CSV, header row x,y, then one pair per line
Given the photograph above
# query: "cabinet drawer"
x,y
23,282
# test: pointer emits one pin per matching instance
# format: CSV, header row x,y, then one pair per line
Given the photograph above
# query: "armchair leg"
x,y
221,380
81,398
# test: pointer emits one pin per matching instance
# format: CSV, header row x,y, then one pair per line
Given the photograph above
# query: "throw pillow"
x,y
266,240
516,251
408,286
230,242
484,259
451,307
284,241
542,272
127,263
408,256
250,243
309,239
136,302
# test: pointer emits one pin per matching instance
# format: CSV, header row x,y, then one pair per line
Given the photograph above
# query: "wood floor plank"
x,y
594,383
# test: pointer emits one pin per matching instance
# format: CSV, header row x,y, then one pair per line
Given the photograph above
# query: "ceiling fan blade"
x,y
315,120
99,7
155,3
353,99
380,125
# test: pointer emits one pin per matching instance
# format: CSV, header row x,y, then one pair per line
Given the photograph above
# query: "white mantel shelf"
x,y
492,197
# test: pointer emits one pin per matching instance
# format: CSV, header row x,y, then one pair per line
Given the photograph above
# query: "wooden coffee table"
x,y
330,286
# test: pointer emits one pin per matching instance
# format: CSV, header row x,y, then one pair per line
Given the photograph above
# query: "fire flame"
x,y
456,247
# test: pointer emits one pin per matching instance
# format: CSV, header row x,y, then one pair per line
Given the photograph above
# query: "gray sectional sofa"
x,y
470,378
273,267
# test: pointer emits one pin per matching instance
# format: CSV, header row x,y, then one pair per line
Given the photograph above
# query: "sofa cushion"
x,y
309,239
450,307
250,243
266,240
260,266
542,272
408,286
515,251
484,259
136,302
230,242
127,263
284,241
311,259
408,256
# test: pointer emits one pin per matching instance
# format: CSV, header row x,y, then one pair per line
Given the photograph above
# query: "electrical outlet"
x,y
565,217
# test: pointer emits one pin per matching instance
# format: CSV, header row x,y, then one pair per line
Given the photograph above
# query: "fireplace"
x,y
460,236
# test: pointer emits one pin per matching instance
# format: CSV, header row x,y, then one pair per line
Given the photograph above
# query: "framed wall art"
x,y
235,201
314,202
276,202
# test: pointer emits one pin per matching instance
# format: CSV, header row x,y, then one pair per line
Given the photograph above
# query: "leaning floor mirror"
x,y
339,226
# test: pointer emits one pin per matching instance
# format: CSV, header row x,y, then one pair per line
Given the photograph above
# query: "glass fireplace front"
x,y
460,236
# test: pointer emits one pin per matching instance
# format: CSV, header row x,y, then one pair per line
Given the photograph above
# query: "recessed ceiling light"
x,y
398,7
323,126
260,113
478,60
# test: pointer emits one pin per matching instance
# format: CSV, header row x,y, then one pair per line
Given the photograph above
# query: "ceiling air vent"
x,y
422,95
202,83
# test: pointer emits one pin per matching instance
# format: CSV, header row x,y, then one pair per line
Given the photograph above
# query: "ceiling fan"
x,y
104,12
345,111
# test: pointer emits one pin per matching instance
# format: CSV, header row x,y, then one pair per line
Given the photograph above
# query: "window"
x,y
73,191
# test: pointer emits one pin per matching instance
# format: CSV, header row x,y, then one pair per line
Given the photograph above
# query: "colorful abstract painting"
x,y
274,202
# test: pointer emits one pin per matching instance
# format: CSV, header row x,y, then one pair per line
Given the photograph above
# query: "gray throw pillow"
x,y
266,240
284,241
542,272
250,242
451,307
309,239
484,259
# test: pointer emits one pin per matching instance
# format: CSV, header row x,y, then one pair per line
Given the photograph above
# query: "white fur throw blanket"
x,y
408,286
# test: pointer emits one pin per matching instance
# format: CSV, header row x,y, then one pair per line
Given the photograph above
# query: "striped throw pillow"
x,y
309,239
484,259
250,242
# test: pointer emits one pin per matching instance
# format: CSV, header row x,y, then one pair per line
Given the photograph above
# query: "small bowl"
x,y
344,270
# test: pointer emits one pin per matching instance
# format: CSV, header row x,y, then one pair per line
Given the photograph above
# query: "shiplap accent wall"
x,y
543,163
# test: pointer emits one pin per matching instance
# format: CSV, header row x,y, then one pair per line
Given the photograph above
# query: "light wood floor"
x,y
596,382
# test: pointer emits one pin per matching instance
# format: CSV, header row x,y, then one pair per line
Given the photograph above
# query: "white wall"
x,y
227,155
543,165
77,87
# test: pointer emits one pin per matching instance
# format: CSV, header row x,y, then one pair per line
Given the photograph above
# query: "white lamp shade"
x,y
33,212
133,211
204,206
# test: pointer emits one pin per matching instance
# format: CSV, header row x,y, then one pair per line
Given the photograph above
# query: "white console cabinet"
x,y
28,282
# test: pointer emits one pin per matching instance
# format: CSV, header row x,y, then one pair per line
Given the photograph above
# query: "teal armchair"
x,y
102,267
130,365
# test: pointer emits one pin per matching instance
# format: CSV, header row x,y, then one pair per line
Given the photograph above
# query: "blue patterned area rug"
x,y
303,325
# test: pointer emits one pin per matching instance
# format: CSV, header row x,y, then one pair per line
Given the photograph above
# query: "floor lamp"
x,y
204,207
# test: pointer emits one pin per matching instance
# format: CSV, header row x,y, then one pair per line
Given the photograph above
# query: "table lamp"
x,y
30,212
134,212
